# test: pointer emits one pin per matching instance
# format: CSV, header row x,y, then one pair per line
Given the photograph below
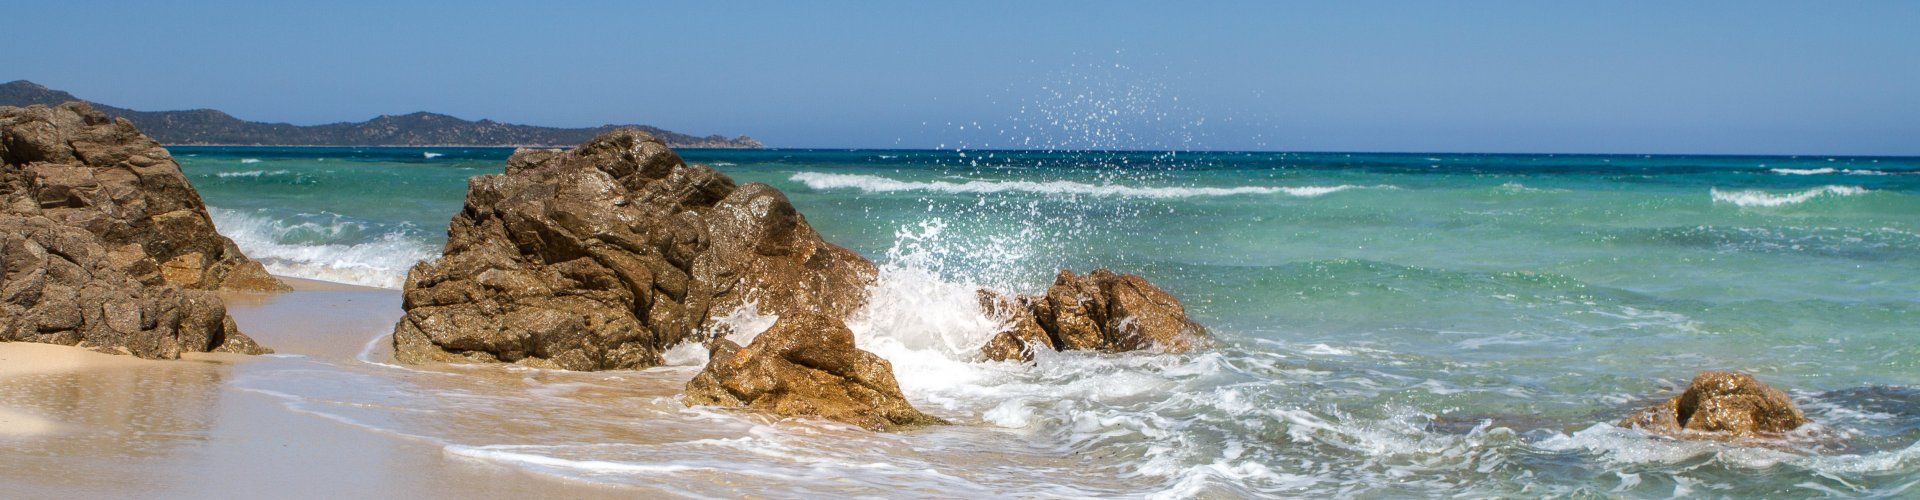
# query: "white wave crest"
x,y
431,155
1824,171
877,184
253,173
382,262
249,160
1758,198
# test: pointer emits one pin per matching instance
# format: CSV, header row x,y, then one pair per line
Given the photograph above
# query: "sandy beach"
x,y
78,423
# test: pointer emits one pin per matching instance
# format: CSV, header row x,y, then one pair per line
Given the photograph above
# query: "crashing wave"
x,y
1824,171
877,184
381,262
1758,198
253,173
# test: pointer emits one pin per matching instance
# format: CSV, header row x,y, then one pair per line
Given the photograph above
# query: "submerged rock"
x,y
104,244
806,365
1102,311
1723,404
605,256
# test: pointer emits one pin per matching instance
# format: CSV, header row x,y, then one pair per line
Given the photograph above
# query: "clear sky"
x,y
1631,77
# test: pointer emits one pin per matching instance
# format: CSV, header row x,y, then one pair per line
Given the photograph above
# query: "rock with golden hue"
x,y
1722,404
604,256
104,245
78,168
806,366
1020,333
1102,311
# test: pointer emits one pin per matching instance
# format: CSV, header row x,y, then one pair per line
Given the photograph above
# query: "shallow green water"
x,y
1393,324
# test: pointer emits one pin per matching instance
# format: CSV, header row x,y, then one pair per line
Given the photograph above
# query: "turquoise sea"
x,y
1391,324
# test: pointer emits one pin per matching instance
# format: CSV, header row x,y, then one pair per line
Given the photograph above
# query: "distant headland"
x,y
213,127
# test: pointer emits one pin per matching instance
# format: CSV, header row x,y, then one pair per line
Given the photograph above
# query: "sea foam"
x,y
1758,198
252,173
878,184
381,262
1824,171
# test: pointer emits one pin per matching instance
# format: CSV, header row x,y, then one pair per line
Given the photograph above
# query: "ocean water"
x,y
1390,324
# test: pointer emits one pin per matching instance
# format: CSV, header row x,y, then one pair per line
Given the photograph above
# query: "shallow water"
x,y
1389,324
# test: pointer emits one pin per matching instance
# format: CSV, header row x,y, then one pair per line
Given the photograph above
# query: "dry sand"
x,y
80,424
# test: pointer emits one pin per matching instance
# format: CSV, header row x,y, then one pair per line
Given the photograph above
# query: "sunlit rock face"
x,y
104,244
605,256
1722,404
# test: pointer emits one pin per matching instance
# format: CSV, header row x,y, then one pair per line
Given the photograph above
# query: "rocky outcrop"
x,y
604,256
1721,404
806,365
1101,311
103,244
79,168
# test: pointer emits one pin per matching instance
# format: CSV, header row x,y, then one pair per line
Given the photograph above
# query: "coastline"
x,y
86,424
502,146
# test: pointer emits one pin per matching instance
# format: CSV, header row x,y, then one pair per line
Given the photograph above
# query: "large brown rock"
x,y
1722,404
104,245
1101,311
78,168
806,366
604,256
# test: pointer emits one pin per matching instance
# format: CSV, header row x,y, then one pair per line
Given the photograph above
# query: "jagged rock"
x,y
806,365
103,244
604,256
1102,311
78,168
1020,333
1721,404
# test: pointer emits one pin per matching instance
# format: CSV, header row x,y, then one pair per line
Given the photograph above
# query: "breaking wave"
x,y
253,173
1758,198
1825,171
324,247
877,184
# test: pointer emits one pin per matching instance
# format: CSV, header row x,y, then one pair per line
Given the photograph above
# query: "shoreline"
x,y
80,423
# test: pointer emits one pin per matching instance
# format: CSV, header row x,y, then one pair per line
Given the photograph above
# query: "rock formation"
x,y
79,168
1721,404
806,365
604,256
103,244
1101,311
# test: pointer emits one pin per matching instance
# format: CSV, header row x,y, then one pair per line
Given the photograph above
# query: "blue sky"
x,y
1636,77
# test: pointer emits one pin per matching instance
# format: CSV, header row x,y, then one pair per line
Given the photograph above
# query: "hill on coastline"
x,y
213,127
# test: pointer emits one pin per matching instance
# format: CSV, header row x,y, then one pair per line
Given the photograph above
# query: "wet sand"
x,y
80,424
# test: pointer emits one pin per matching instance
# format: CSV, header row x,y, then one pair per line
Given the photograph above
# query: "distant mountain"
x,y
211,127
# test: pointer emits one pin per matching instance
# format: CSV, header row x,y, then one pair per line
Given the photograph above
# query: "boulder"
x,y
806,366
104,245
1020,334
1101,311
604,256
78,168
1721,404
